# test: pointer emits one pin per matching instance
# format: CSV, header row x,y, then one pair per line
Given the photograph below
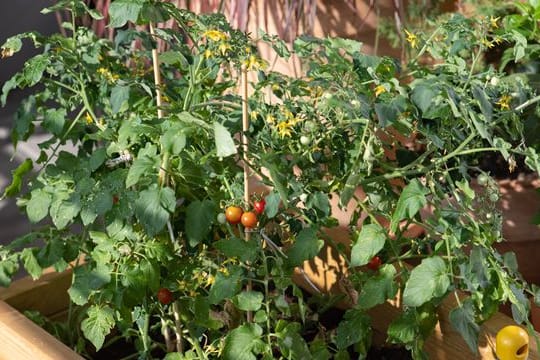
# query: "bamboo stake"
x,y
163,176
245,128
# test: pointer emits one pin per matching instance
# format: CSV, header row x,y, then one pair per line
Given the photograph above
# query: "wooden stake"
x,y
164,168
245,128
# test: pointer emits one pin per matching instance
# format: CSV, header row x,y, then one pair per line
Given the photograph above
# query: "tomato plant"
x,y
395,144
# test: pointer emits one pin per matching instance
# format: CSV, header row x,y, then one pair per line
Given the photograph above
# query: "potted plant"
x,y
174,250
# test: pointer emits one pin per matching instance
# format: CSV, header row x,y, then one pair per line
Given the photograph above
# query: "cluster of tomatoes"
x,y
236,215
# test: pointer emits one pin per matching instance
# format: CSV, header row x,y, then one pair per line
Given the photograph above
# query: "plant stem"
x,y
178,328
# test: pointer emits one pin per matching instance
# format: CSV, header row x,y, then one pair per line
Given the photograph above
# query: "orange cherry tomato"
x,y
249,219
233,214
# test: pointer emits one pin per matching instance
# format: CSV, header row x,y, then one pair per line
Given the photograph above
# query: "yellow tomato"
x,y
512,343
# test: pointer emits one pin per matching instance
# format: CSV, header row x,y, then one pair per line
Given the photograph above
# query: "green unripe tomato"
x,y
221,218
482,179
305,140
493,197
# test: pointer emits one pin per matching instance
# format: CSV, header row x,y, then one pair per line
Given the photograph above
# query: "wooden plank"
x,y
21,339
48,294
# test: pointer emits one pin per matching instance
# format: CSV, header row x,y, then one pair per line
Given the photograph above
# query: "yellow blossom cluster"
x,y
106,73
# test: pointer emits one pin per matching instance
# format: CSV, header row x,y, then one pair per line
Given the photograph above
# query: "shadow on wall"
x,y
16,17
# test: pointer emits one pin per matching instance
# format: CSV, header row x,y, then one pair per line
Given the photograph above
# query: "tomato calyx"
x,y
165,296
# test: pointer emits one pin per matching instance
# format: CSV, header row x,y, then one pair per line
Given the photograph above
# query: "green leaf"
x,y
146,163
86,280
463,320
377,289
23,127
272,204
306,246
11,46
412,199
320,202
153,207
98,324
422,96
427,281
16,184
8,267
369,242
7,87
248,300
224,286
34,68
122,11
224,141
485,104
199,219
63,211
243,343
31,263
97,158
119,99
174,139
291,342
238,248
355,327
54,120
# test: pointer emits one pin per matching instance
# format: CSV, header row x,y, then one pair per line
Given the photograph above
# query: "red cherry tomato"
x,y
233,214
249,219
165,296
259,206
375,263
115,199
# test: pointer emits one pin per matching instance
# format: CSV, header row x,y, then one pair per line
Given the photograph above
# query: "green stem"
x,y
192,82
88,107
528,102
266,303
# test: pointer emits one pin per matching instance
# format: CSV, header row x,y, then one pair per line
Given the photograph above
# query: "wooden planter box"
x,y
22,337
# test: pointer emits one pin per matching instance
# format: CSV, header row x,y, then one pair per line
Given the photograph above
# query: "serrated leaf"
x,y
8,267
153,208
224,141
199,220
174,139
306,246
463,320
411,200
485,104
422,96
248,300
355,327
54,120
238,248
291,342
122,11
86,280
64,211
98,324
147,162
272,204
427,281
34,68
17,176
31,264
224,286
369,242
119,98
377,289
243,343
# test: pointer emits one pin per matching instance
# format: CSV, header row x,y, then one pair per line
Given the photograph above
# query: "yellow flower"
x,y
254,63
412,39
270,119
88,118
493,22
379,90
224,271
208,53
498,40
284,129
487,43
210,280
504,102
253,115
215,35
224,47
